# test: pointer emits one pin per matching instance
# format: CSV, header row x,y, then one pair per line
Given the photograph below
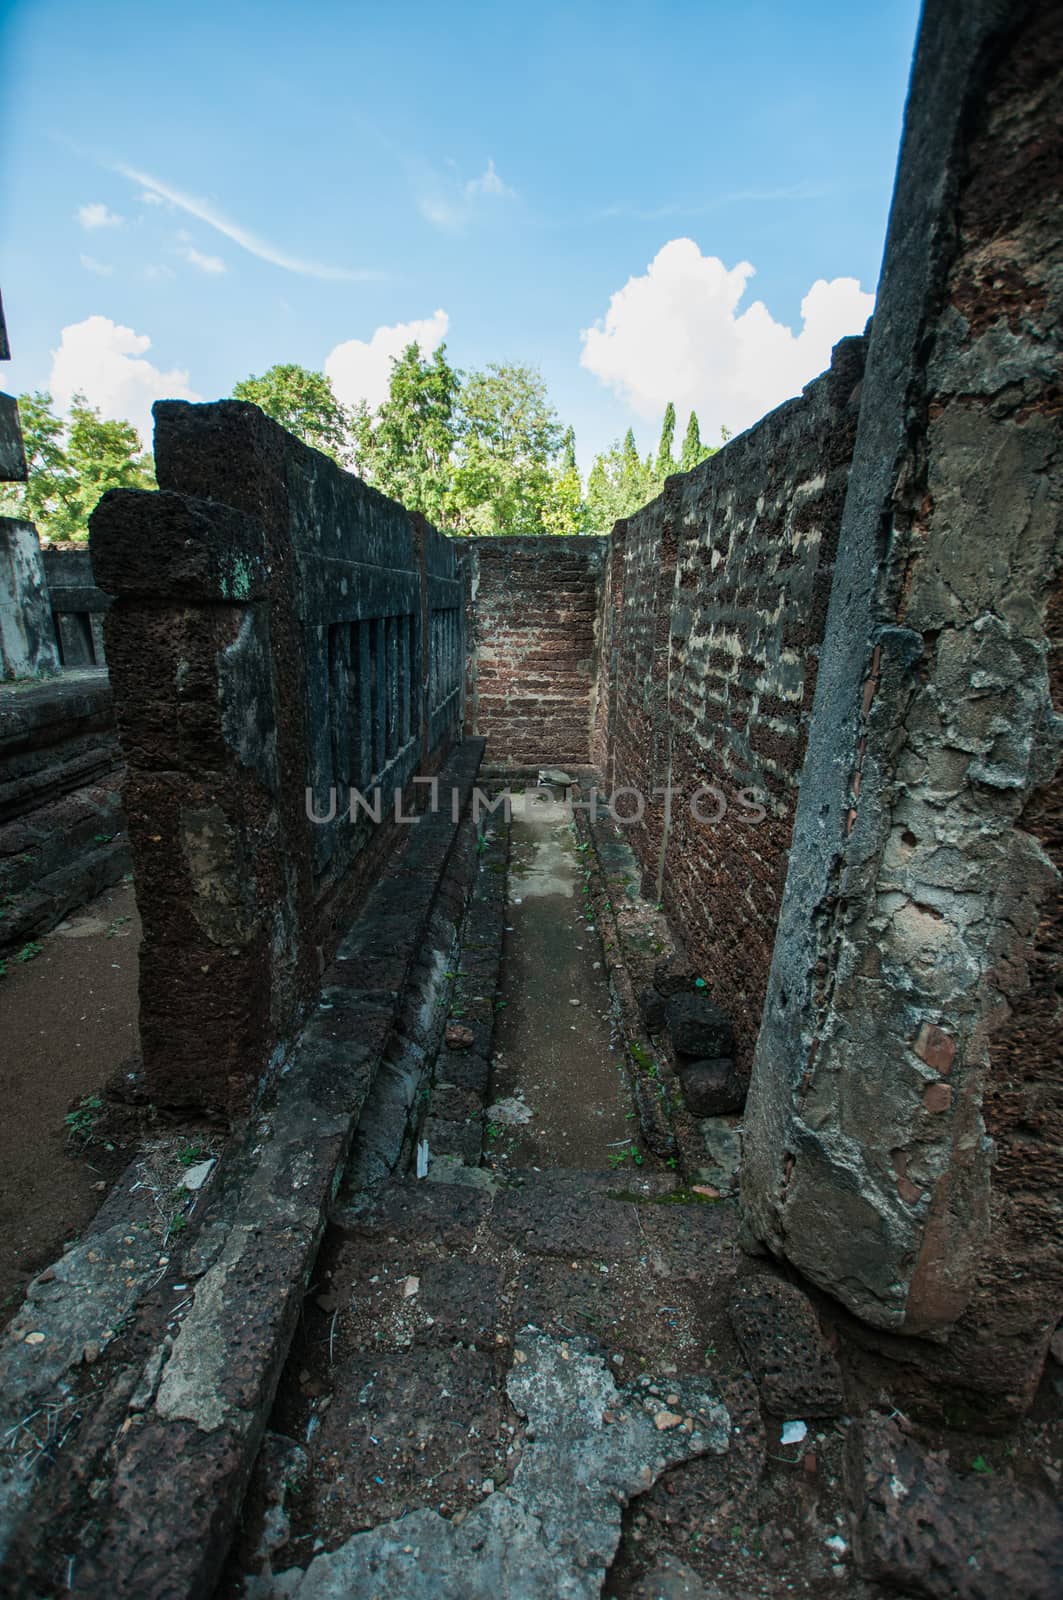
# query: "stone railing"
x,y
281,634
78,604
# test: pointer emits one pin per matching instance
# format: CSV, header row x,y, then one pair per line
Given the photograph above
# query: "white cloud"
x,y
204,211
360,370
196,258
101,268
676,333
488,183
449,203
97,215
104,361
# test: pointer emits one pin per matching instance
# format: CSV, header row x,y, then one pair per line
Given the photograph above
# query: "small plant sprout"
x,y
81,1122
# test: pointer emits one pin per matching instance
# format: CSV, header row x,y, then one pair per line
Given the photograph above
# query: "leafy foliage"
x,y
72,462
407,448
302,401
509,435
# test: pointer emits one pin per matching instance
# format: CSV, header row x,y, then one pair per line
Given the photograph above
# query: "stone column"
x,y
905,1103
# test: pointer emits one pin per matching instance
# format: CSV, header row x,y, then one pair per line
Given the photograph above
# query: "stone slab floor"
x,y
522,1383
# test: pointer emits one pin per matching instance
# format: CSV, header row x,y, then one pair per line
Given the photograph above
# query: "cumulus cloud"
x,y
360,369
97,215
677,333
105,362
100,268
205,263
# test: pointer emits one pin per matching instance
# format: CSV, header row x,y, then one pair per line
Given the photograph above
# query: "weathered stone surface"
x,y
652,1008
675,975
713,608
551,1533
925,1530
78,605
711,1088
792,1364
77,1304
532,605
925,862
62,827
27,637
12,451
698,1028
672,1579
282,636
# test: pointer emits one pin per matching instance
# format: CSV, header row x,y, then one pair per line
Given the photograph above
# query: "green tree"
x,y
509,435
664,465
406,447
563,509
620,482
693,449
72,463
41,498
304,402
103,454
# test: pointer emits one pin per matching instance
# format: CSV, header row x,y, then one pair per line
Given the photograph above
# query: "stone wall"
x,y
714,604
281,634
532,611
78,604
903,1128
62,831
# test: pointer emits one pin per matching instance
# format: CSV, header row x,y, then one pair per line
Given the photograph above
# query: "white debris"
x,y
794,1432
511,1112
410,1288
196,1176
422,1158
837,1544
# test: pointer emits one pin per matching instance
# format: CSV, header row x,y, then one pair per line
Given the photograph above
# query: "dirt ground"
x,y
67,1022
557,1051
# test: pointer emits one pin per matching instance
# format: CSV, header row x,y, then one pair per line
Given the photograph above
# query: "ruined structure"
x,y
61,826
282,635
819,678
838,629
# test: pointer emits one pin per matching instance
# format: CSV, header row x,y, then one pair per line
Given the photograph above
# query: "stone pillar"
x,y
27,637
902,1131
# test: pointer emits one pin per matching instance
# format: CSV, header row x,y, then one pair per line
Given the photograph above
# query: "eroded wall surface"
x,y
713,609
903,1129
281,635
532,613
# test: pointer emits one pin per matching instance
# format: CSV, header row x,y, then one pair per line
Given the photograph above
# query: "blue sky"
x,y
582,188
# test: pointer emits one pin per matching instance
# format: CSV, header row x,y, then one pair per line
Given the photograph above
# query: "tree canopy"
x,y
477,453
72,461
303,402
509,437
406,448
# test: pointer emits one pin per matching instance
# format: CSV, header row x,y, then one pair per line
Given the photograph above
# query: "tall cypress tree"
x,y
693,449
664,463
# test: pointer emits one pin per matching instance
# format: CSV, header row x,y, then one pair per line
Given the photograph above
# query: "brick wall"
x,y
532,609
715,601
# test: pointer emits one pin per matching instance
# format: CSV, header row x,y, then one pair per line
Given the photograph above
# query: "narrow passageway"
x,y
558,1060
